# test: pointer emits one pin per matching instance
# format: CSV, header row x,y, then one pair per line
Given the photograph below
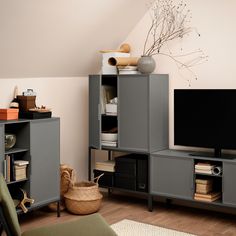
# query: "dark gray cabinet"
x,y
171,176
94,111
229,177
142,117
37,141
44,151
2,146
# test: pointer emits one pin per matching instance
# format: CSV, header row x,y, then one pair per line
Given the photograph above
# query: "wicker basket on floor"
x,y
83,197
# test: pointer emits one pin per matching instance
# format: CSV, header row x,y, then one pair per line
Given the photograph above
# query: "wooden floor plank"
x,y
117,207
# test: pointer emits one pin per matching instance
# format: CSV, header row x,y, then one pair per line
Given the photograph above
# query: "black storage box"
x,y
125,181
107,180
126,165
35,115
142,175
131,172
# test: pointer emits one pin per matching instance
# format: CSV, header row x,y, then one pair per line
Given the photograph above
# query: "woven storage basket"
x,y
83,197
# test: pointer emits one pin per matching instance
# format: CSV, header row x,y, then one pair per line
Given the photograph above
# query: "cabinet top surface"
x,y
3,122
194,155
132,75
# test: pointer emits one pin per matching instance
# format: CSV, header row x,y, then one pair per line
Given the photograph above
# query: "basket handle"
x,y
69,177
97,178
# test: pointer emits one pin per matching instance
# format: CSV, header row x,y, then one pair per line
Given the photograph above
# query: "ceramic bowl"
x,y
109,137
10,141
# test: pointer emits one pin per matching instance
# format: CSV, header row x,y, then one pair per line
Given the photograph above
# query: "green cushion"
x,y
92,225
9,209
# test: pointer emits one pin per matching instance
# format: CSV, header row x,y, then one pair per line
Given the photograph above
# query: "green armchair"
x,y
86,226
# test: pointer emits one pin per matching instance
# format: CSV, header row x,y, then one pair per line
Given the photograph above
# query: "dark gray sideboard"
x,y
172,175
38,141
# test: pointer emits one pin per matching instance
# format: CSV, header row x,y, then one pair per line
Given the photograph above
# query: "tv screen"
x,y
205,118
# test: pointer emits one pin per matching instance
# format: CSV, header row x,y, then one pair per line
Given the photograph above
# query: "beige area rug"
x,y
133,228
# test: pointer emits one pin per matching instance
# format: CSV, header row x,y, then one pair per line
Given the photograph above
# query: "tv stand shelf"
x,y
172,175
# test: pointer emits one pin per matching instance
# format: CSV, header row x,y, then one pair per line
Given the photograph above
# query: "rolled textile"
x,y
123,61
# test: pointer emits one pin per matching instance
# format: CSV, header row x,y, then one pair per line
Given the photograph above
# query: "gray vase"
x,y
146,64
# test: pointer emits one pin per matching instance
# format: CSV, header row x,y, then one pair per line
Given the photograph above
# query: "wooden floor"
x,y
117,207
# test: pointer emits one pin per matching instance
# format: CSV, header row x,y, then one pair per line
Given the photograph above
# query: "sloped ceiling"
x,y
47,38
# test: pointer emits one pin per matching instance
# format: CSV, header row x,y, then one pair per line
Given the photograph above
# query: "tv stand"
x,y
211,155
173,175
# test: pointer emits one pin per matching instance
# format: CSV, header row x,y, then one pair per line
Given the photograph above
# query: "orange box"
x,y
9,114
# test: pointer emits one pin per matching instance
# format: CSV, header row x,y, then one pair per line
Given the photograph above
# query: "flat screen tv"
x,y
205,118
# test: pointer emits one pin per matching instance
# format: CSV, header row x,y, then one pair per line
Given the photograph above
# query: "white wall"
x,y
68,98
215,20
50,38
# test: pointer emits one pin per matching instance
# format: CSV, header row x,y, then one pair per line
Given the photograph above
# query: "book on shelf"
x,y
20,176
21,163
204,181
107,93
128,70
209,195
105,165
8,168
204,168
197,171
207,200
202,188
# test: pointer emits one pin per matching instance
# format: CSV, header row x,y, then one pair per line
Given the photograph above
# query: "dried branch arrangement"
x,y
170,22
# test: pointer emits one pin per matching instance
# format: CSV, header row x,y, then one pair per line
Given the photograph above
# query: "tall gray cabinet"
x,y
142,113
37,141
142,117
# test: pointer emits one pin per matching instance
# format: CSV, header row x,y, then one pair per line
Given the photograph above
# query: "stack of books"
x,y
204,191
14,170
204,168
8,168
20,169
204,186
211,197
108,166
128,70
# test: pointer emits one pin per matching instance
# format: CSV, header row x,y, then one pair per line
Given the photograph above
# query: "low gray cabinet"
x,y
45,161
170,176
229,177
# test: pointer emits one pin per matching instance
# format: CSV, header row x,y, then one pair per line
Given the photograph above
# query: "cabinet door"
x,y
229,176
2,147
94,111
170,176
133,112
45,160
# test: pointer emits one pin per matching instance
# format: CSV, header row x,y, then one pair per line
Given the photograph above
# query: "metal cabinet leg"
x,y
89,163
58,209
150,202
